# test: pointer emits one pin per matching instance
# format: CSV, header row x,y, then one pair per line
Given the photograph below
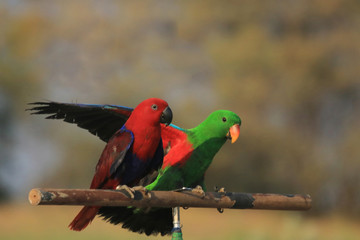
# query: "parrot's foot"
x,y
142,188
198,190
131,190
128,189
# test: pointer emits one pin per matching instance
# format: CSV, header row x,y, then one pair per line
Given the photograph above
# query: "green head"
x,y
221,124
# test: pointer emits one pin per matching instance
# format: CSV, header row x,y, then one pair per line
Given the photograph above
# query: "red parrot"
x,y
132,152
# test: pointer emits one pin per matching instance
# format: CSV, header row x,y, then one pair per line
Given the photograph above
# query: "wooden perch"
x,y
186,198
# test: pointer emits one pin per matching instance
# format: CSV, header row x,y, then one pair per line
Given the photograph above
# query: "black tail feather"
x,y
154,221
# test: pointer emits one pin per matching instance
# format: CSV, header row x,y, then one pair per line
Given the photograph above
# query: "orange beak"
x,y
233,133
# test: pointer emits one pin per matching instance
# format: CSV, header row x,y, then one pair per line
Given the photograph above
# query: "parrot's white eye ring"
x,y
154,107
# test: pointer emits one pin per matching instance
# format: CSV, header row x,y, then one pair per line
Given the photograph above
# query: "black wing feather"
x,y
100,120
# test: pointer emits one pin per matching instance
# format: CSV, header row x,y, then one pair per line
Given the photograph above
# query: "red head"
x,y
150,112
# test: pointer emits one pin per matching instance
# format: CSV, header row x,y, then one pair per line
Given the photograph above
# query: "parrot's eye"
x,y
154,107
224,119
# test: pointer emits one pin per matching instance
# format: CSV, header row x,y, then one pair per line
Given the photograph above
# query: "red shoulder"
x,y
176,145
171,135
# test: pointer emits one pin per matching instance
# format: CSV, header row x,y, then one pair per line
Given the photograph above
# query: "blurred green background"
x,y
289,69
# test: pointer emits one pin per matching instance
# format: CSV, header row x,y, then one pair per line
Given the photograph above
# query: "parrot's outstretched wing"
x,y
101,120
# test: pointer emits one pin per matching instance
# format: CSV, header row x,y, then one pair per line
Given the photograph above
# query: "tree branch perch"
x,y
232,200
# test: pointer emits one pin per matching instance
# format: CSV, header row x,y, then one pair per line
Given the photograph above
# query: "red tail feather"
x,y
84,217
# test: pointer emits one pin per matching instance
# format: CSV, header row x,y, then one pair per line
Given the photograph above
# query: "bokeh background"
x,y
289,69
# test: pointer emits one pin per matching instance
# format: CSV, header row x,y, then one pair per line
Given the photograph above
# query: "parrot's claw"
x,y
198,190
131,190
128,189
220,190
142,188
